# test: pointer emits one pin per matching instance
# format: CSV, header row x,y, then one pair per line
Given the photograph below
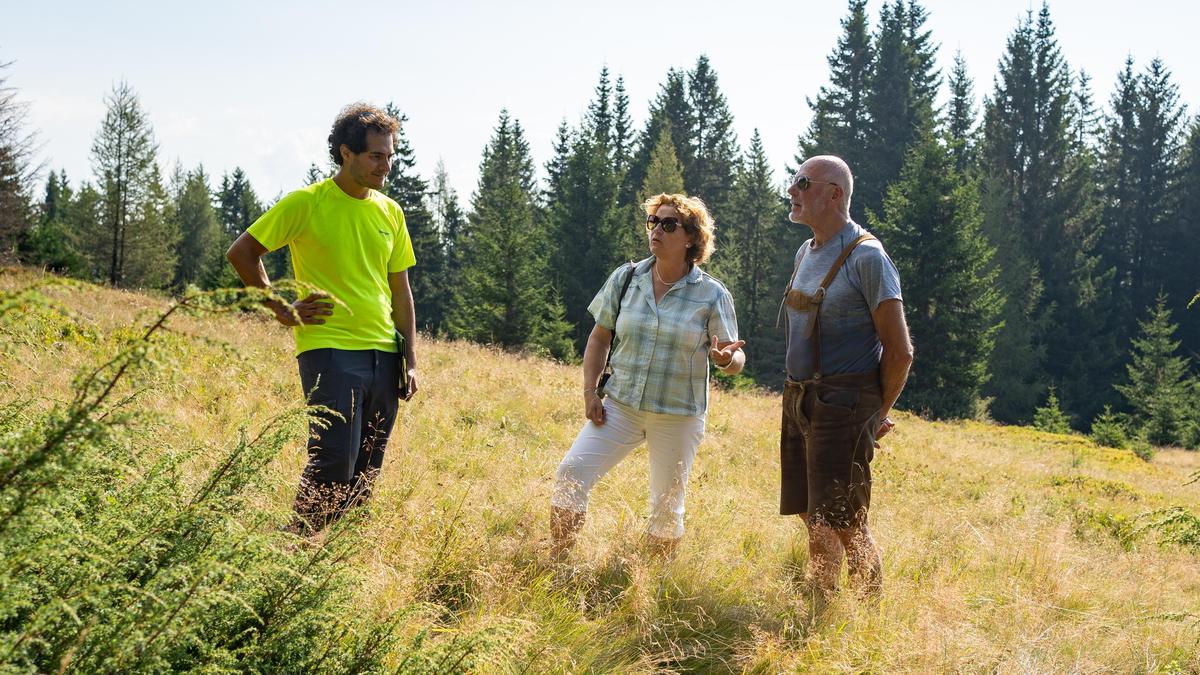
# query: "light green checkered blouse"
x,y
660,361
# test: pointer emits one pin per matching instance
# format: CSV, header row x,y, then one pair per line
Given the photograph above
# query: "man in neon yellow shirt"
x,y
351,241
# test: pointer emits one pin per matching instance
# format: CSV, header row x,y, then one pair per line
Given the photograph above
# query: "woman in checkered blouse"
x,y
672,320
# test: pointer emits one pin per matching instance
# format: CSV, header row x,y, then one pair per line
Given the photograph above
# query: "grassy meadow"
x,y
1005,549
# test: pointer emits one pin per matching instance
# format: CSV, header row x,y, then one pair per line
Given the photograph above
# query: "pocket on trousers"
x,y
314,373
834,404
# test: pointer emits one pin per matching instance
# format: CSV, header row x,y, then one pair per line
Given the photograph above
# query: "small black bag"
x,y
402,376
608,361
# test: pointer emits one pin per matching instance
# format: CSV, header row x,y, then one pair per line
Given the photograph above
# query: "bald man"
x,y
848,355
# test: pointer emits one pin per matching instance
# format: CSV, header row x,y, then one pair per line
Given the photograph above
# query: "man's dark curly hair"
x,y
351,127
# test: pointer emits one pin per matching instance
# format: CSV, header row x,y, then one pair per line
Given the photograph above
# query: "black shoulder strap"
x,y
620,300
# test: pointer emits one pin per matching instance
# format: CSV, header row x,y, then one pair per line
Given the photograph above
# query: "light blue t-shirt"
x,y
849,343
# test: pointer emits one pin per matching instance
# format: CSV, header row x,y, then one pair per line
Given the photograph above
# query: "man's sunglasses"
x,y
802,183
667,224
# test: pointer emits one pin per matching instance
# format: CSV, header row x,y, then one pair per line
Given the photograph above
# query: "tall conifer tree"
x,y
599,119
758,239
900,98
1040,218
710,174
583,209
622,140
58,197
841,121
200,233
124,159
556,168
1017,375
1159,385
1184,285
17,172
238,207
52,243
451,223
629,242
663,174
85,217
1141,166
1088,125
405,185
670,108
960,117
932,228
151,236
502,296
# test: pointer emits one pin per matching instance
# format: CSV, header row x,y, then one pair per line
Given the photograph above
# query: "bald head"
x,y
831,169
823,203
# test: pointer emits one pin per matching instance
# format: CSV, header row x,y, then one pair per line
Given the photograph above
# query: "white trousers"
x,y
671,442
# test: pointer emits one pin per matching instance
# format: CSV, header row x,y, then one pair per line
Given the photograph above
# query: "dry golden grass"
x,y
1005,549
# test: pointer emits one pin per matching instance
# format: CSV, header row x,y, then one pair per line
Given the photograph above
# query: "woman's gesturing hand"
x,y
721,351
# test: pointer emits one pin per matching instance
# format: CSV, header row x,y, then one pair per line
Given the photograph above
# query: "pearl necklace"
x,y
659,276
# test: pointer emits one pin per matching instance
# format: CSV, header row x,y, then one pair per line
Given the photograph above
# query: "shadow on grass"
x,y
628,610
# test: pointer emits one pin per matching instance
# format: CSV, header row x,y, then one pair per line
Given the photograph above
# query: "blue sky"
x,y
256,84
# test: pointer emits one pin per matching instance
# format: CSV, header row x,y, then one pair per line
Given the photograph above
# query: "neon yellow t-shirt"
x,y
345,246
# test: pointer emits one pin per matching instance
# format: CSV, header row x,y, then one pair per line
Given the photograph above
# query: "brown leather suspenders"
x,y
803,302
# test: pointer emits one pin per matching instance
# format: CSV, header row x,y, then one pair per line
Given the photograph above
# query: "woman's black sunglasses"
x,y
668,224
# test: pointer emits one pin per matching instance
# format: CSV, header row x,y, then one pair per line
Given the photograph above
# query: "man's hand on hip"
x,y
307,311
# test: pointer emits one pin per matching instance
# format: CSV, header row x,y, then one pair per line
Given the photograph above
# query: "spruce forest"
x,y
1044,237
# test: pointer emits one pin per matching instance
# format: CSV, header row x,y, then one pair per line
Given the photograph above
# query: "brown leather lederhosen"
x,y
829,423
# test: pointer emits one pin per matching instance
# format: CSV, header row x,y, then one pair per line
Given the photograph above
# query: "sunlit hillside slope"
x,y
1005,549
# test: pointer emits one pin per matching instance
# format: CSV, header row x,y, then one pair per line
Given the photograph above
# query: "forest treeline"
x,y
1044,238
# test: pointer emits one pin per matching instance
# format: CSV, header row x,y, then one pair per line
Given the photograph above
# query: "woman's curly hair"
x,y
696,219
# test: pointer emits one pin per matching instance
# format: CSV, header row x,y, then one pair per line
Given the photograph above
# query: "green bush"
x,y
1051,418
111,564
739,382
1108,430
1142,448
113,560
49,246
1175,525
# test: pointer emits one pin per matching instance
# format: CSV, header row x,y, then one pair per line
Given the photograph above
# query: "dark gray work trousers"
x,y
346,444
